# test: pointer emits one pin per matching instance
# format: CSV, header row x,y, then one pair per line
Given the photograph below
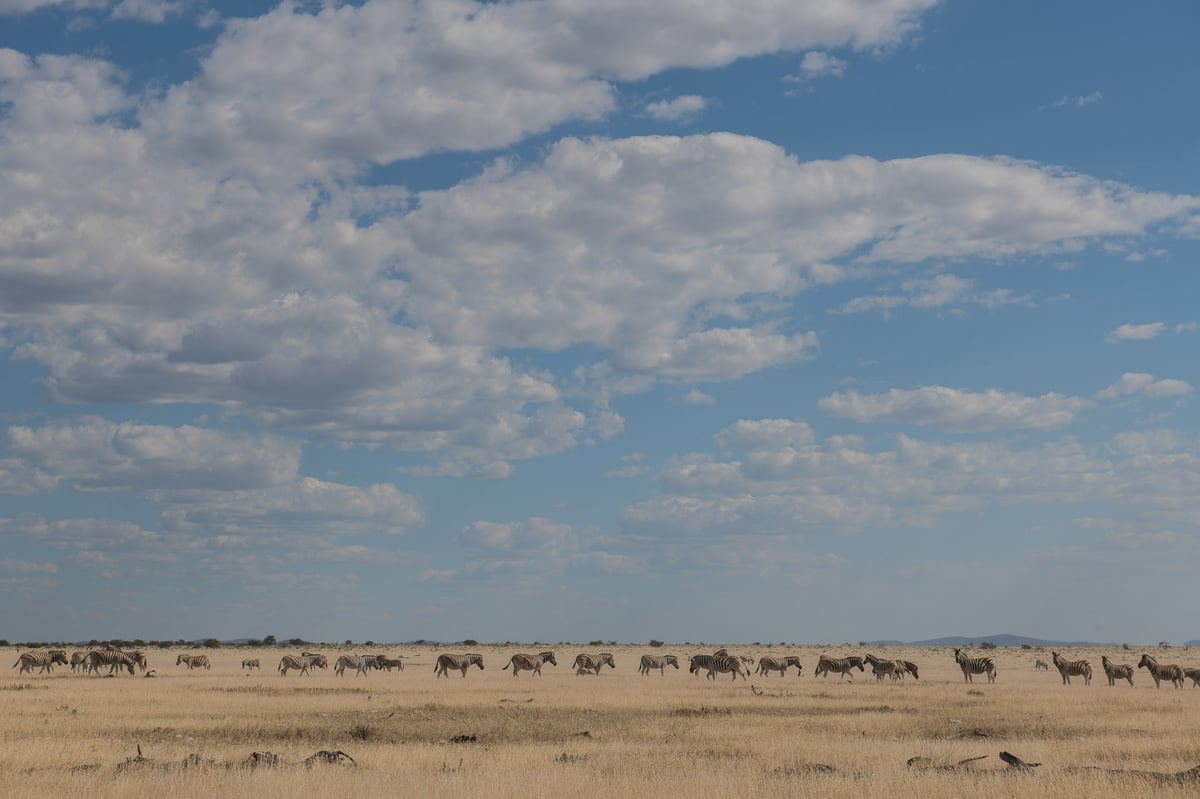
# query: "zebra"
x,y
303,663
1193,675
530,662
460,662
391,663
77,659
355,662
1116,671
909,668
842,666
251,664
971,666
1041,665
767,664
586,663
194,661
725,664
743,658
1167,672
1072,668
43,660
659,662
109,657
884,668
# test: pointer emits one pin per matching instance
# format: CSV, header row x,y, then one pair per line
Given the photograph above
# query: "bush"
x,y
212,643
654,642
987,645
362,732
1026,646
470,642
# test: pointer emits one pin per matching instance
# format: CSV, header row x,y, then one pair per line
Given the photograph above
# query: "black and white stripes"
x,y
978,665
459,662
1072,668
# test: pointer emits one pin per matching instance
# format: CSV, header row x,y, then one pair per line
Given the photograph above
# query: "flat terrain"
x,y
566,735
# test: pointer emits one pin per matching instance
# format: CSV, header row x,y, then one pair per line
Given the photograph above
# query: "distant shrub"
x,y
212,643
1026,646
654,642
595,643
362,732
470,642
987,645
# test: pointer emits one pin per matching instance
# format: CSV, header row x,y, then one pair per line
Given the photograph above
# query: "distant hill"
x,y
1004,639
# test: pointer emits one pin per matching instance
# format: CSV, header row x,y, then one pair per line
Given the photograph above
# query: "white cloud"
x,y
154,11
27,567
957,409
1142,383
1077,101
1130,332
537,534
817,64
683,107
938,291
15,7
697,397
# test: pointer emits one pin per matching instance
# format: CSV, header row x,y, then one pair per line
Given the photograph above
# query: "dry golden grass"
x,y
675,735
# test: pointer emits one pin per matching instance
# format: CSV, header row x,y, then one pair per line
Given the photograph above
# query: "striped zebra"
x,y
842,666
194,661
746,660
301,663
586,663
909,668
659,662
1116,671
391,663
251,663
44,661
1159,673
77,659
460,662
724,664
1193,675
1041,665
354,662
530,662
971,666
1072,668
883,668
767,664
114,659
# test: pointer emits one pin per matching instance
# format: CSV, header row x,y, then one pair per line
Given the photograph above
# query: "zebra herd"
x,y
1168,672
85,662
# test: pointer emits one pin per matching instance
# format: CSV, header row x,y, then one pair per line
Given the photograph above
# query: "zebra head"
x,y
59,656
548,657
671,660
1147,662
182,659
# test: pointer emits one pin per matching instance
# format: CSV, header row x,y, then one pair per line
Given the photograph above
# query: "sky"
x,y
553,320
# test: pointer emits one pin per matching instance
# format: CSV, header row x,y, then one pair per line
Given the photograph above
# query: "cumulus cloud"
x,y
817,64
956,409
1129,332
683,107
1145,384
938,291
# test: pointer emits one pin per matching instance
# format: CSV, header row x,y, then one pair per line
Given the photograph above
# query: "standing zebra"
x,y
767,664
1116,671
725,664
303,663
355,662
42,660
978,665
251,664
1041,665
882,668
77,659
1193,675
112,658
657,662
460,662
1072,668
586,663
842,666
1166,672
194,661
530,662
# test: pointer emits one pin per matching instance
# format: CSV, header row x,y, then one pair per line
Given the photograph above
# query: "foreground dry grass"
x,y
672,735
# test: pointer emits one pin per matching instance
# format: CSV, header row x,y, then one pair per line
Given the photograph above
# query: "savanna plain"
x,y
492,735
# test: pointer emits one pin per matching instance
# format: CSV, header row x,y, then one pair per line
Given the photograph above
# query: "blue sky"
x,y
544,320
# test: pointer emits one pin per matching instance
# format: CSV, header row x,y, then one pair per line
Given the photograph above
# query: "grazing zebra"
x,y
971,666
586,663
909,668
391,663
460,662
111,658
302,663
194,661
1193,675
842,666
1167,672
1041,665
1116,671
725,664
355,662
1072,668
530,662
659,662
251,664
768,664
43,660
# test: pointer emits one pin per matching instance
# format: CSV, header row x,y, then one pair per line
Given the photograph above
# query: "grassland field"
x,y
618,733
